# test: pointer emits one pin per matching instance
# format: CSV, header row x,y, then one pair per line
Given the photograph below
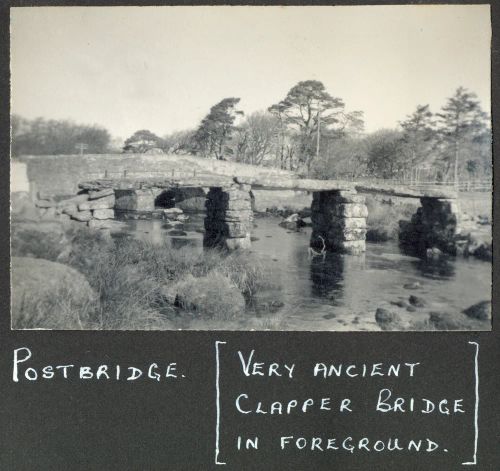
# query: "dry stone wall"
x,y
95,209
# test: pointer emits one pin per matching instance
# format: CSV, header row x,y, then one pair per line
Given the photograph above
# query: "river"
x,y
338,292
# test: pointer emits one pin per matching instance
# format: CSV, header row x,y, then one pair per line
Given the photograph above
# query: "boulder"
x,y
453,321
417,301
48,295
93,195
414,285
480,245
75,200
107,202
70,209
480,311
82,216
292,222
213,296
103,213
433,252
387,320
172,212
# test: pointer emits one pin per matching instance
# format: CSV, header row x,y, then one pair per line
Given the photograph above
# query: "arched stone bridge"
x,y
338,208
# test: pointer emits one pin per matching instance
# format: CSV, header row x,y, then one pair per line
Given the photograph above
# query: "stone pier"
x,y
229,217
339,221
434,225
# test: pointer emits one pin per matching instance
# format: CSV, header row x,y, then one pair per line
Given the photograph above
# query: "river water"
x,y
337,292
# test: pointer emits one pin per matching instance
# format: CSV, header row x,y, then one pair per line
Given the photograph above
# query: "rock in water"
x,y
433,252
480,311
173,213
417,301
292,222
415,285
48,295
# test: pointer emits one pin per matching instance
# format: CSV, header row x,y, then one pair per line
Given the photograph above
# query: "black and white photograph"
x,y
251,168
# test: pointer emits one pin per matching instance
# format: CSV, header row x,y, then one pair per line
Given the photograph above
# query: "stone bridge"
x,y
338,208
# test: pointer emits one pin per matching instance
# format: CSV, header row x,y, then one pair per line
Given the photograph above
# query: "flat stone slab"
x,y
405,192
297,184
265,183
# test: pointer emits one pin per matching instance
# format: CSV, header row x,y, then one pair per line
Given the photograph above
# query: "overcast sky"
x,y
162,68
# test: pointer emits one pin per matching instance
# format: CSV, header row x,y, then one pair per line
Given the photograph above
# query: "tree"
x,y
419,138
179,142
213,134
462,122
142,141
286,145
385,158
343,157
50,137
256,138
309,110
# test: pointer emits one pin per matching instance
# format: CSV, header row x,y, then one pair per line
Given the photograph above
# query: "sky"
x,y
162,68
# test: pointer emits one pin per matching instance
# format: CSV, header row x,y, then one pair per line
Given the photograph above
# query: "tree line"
x,y
309,131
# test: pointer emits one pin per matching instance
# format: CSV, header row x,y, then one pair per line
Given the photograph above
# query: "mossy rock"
x,y
213,296
48,295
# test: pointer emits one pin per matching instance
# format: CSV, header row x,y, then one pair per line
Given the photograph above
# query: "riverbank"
x,y
69,279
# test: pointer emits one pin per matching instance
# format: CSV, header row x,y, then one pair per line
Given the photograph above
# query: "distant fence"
x,y
480,185
147,174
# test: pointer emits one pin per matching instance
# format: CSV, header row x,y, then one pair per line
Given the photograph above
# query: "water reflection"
x,y
327,276
441,267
